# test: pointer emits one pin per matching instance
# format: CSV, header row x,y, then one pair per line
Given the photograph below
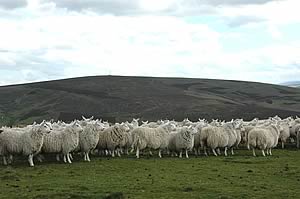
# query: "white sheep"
x,y
26,141
111,138
63,141
151,138
263,138
181,140
197,144
89,137
214,138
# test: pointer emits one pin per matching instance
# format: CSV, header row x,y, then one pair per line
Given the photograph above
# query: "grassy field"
x,y
239,176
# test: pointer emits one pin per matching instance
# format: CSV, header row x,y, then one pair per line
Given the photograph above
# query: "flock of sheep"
x,y
167,137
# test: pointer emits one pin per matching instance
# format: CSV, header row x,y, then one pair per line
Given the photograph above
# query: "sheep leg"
x,y
119,152
267,151
199,151
263,152
68,158
40,158
88,157
137,152
282,144
219,151
205,151
10,159
57,158
232,153
84,156
150,153
214,151
180,154
270,152
65,159
159,153
186,153
225,151
298,141
4,160
113,153
30,160
253,151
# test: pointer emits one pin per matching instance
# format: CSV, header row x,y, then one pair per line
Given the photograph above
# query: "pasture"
x,y
238,176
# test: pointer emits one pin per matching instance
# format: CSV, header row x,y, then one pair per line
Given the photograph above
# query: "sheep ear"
x,y
83,118
91,118
34,123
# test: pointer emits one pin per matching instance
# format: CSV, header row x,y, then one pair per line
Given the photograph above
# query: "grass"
x,y
239,176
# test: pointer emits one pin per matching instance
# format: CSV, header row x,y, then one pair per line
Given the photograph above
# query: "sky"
x,y
250,40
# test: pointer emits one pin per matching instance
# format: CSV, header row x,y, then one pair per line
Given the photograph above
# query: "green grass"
x,y
239,176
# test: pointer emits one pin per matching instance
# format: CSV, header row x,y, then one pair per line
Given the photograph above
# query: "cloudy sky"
x,y
253,40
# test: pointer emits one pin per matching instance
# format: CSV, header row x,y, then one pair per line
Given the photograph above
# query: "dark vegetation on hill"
x,y
117,98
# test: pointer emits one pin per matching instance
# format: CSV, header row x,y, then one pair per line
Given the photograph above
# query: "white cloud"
x,y
49,41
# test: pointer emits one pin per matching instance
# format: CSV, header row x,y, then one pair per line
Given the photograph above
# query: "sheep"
x,y
214,137
111,139
135,122
88,138
27,141
181,140
127,141
152,138
294,130
197,144
63,141
264,138
285,133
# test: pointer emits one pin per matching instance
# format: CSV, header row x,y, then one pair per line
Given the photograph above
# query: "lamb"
x,y
111,139
181,140
27,141
63,141
152,138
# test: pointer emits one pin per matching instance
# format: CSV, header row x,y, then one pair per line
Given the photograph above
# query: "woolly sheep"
x,y
26,141
111,139
214,137
63,141
89,137
181,140
152,138
263,138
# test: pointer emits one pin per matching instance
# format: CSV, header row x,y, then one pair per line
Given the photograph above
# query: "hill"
x,y
291,84
119,98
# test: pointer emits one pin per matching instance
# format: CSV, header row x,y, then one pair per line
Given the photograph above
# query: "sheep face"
x,y
77,127
45,127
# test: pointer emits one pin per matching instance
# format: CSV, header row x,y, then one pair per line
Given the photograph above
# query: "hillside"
x,y
291,84
117,98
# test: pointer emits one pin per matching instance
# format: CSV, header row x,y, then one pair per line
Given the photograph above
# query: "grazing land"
x,y
238,176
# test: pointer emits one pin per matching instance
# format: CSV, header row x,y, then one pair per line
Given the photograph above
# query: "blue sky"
x,y
251,40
